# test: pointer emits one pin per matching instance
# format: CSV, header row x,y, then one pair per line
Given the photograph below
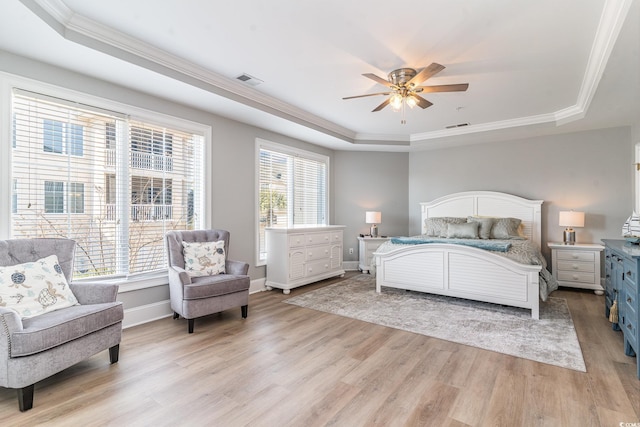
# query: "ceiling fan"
x,y
403,84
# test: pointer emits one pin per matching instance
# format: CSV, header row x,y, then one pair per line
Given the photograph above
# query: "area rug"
x,y
552,339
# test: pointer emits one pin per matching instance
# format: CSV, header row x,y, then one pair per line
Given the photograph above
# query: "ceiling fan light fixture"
x,y
395,101
411,101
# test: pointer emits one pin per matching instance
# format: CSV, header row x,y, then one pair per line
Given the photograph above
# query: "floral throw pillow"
x,y
35,288
204,258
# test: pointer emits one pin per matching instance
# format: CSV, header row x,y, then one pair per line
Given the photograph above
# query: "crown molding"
x,y
79,29
84,31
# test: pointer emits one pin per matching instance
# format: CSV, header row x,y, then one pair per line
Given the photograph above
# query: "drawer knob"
x,y
575,266
574,256
629,273
575,277
629,326
629,300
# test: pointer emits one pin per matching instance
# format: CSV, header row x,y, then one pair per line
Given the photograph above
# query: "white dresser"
x,y
577,266
298,256
366,247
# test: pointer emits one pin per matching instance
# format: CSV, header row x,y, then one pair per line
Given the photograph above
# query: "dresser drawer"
x,y
578,277
318,252
296,240
576,256
318,238
585,267
318,267
630,329
630,272
630,300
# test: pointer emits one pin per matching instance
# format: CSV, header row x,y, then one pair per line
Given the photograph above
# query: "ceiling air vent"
x,y
459,125
250,80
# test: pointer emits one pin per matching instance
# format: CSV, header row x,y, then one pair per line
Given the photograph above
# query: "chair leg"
x,y
175,315
25,397
113,353
191,322
245,311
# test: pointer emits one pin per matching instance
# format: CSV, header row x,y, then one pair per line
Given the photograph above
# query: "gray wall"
x,y
586,171
370,181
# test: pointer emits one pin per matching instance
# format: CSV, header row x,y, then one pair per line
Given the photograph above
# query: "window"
x,y
14,196
292,189
53,197
59,137
116,204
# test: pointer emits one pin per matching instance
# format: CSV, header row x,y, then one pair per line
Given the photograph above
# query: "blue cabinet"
x,y
622,265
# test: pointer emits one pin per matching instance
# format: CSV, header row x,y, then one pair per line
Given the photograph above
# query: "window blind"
x,y
112,184
292,190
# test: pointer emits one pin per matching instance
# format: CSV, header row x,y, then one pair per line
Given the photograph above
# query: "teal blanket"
x,y
489,245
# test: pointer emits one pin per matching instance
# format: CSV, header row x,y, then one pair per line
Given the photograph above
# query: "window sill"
x,y
132,283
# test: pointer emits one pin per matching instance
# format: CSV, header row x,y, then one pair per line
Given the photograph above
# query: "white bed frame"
x,y
468,272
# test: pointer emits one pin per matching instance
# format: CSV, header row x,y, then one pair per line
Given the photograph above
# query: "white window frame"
x,y
9,82
288,150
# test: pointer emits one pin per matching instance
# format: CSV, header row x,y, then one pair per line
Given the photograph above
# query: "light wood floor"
x,y
289,366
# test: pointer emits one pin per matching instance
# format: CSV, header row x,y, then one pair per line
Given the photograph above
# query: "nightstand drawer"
x,y
585,267
578,277
576,255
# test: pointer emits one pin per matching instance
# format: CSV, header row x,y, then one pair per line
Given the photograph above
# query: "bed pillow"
x,y
35,288
204,258
437,226
468,230
506,228
484,226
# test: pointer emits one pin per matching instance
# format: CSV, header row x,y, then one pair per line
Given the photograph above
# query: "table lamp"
x,y
373,218
570,219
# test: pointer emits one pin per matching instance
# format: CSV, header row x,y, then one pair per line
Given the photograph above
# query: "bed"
x,y
457,270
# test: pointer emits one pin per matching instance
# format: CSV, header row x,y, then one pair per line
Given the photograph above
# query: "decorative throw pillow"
x,y
35,288
437,226
484,226
505,228
468,230
204,258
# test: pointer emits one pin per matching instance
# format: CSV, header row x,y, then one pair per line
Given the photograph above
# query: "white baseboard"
x,y
146,313
350,265
159,310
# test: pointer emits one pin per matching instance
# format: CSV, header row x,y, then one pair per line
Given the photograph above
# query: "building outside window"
x,y
112,183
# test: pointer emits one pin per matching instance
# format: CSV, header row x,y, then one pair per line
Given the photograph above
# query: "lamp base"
x,y
569,236
374,231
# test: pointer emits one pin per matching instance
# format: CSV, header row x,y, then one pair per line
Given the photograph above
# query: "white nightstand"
x,y
367,246
577,266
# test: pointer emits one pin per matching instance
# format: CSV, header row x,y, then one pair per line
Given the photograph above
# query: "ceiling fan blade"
x,y
422,103
426,73
378,80
381,106
369,94
461,87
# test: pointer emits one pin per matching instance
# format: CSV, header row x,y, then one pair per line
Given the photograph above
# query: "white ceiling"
x,y
533,67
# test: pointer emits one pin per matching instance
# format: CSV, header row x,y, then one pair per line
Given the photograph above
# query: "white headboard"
x,y
488,203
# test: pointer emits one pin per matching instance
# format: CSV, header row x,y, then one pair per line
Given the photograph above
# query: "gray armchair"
x,y
32,349
193,297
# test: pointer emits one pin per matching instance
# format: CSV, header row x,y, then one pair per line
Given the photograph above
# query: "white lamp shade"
x,y
571,219
372,217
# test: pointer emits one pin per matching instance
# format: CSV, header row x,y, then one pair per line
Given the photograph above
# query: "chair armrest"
x,y
10,322
180,275
94,293
237,268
